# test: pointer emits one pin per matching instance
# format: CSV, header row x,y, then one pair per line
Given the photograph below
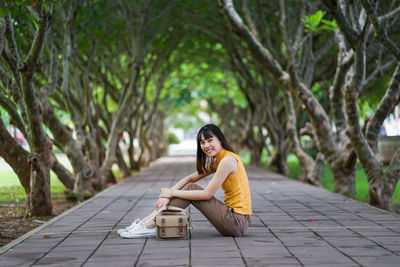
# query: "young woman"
x,y
214,155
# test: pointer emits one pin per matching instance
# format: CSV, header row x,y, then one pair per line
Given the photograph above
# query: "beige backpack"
x,y
173,222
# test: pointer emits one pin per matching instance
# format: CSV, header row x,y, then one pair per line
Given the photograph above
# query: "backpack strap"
x,y
173,208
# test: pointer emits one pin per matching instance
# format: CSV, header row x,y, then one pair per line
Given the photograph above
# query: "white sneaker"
x,y
126,229
139,231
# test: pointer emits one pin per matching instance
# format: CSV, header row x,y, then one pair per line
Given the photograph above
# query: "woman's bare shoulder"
x,y
229,162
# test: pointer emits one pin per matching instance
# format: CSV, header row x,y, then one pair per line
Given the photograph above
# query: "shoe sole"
x,y
120,231
138,236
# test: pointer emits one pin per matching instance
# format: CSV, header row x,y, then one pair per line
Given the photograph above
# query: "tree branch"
x,y
300,28
389,15
380,30
32,59
2,32
256,47
250,21
385,107
282,27
11,39
12,111
344,62
377,73
351,35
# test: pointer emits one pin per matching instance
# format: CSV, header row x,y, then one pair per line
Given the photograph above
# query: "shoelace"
x,y
133,225
138,228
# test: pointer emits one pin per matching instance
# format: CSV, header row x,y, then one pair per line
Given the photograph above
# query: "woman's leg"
x,y
223,218
149,219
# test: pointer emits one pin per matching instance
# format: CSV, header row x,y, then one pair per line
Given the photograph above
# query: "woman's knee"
x,y
192,186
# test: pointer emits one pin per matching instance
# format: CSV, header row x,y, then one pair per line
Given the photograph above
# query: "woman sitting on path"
x,y
214,154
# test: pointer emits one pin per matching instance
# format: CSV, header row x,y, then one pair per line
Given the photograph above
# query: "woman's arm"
x,y
227,166
192,178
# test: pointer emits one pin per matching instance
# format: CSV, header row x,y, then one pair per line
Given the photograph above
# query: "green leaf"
x,y
315,19
331,25
315,87
32,18
46,6
312,22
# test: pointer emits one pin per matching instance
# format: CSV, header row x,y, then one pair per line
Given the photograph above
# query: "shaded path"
x,y
293,225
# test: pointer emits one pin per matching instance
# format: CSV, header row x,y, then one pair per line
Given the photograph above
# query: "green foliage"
x,y
313,23
4,116
71,196
190,89
172,139
293,166
370,100
16,7
328,181
245,157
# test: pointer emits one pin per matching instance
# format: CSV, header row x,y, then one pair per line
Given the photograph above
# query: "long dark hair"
x,y
207,131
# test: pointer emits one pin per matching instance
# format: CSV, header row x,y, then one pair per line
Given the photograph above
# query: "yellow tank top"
x,y
236,186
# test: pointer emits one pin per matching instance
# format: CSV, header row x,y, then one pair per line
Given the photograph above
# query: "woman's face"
x,y
211,146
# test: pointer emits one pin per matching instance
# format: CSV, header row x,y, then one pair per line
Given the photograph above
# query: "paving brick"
x,y
367,251
163,262
110,262
232,261
388,261
286,260
61,264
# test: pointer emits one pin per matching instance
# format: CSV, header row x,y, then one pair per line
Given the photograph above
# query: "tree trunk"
x,y
310,170
255,155
256,146
116,129
40,199
66,177
17,157
134,164
345,177
145,155
73,150
290,81
279,159
381,185
124,170
41,146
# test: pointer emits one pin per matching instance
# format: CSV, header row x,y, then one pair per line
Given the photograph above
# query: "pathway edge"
x,y
15,242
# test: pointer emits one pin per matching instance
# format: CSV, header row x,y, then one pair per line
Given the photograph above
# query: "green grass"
x,y
11,190
327,179
362,193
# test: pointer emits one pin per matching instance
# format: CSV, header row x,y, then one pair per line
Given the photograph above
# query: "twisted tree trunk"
x,y
381,184
343,172
73,150
17,157
41,146
310,170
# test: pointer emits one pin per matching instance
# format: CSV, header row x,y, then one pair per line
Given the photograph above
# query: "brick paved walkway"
x,y
293,225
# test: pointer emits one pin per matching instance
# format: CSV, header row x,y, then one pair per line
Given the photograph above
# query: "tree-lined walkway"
x,y
293,225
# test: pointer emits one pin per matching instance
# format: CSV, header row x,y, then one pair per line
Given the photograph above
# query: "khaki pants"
x,y
223,218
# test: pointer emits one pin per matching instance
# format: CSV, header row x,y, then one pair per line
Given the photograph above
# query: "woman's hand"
x,y
165,193
162,202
